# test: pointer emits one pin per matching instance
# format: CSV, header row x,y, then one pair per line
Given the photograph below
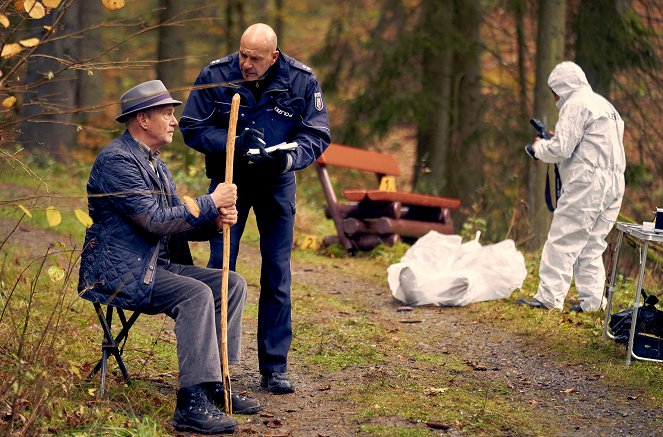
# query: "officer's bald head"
x,y
260,35
257,51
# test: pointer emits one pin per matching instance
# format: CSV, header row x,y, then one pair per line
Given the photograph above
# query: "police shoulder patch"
x,y
319,104
223,60
295,63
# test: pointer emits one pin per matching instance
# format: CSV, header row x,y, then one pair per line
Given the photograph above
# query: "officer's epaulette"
x,y
298,65
220,61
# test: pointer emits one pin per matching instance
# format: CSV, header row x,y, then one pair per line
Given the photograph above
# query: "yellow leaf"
x,y
4,20
55,273
11,49
50,75
30,42
53,216
9,102
191,205
51,3
74,369
83,217
91,391
113,5
25,210
34,9
47,27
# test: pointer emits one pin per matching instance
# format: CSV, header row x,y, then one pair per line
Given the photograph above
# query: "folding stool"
x,y
110,344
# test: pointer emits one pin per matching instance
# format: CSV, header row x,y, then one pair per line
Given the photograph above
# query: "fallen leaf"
x,y
53,216
51,3
9,102
34,9
4,20
432,391
9,50
20,7
404,309
272,423
632,398
324,388
83,217
568,390
533,402
191,205
30,42
113,5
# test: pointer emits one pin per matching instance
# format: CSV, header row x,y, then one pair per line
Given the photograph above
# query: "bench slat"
x,y
360,159
404,198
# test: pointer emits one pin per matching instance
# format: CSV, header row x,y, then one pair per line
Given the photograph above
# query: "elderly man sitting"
x,y
136,254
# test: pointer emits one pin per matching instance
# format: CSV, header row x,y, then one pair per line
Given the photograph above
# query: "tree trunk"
x,y
171,50
279,28
234,24
50,98
465,155
90,81
433,129
549,52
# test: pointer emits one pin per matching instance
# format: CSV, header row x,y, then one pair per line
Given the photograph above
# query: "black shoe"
x,y
277,383
195,412
241,404
577,308
531,302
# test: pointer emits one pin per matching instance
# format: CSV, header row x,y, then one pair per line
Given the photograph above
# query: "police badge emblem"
x,y
318,101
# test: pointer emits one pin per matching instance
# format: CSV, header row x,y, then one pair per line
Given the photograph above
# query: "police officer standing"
x,y
281,102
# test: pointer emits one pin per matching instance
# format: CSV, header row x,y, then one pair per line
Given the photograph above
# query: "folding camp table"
x,y
642,237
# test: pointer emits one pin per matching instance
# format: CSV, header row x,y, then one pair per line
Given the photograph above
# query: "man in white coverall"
x,y
588,147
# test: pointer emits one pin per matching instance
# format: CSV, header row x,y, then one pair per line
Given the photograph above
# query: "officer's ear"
x,y
275,56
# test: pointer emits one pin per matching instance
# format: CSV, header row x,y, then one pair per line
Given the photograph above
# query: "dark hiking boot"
x,y
531,303
277,383
241,404
194,412
576,308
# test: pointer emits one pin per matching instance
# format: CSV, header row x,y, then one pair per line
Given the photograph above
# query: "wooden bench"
x,y
371,216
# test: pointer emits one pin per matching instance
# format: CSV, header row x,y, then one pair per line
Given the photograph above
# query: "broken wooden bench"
x,y
370,216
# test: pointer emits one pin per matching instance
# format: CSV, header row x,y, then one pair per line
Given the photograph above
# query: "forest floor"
x,y
548,395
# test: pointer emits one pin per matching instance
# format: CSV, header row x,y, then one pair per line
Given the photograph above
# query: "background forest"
x,y
449,86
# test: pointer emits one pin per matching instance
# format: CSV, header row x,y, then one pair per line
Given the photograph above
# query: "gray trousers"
x,y
191,295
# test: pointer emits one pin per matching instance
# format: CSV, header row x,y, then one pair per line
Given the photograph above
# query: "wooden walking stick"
x,y
230,155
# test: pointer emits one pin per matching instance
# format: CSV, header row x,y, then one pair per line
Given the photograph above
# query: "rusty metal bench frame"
x,y
370,216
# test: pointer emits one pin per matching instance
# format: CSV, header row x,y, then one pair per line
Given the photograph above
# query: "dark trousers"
x,y
274,206
191,295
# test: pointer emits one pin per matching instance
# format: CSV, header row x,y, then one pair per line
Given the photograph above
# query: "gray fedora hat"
x,y
143,96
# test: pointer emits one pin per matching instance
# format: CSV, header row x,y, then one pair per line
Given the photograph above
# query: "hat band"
x,y
148,102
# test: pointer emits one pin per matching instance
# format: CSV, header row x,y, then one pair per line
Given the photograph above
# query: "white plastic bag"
x,y
439,269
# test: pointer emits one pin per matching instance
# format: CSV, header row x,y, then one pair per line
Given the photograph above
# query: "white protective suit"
x,y
588,147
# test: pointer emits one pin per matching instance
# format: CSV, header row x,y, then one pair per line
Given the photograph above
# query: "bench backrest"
x,y
360,159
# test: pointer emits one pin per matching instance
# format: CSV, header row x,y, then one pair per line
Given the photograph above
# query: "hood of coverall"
x,y
565,79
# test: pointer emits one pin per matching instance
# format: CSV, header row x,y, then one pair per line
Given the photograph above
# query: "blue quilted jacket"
x,y
131,216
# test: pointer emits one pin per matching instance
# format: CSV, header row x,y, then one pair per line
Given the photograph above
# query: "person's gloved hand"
x,y
249,139
275,163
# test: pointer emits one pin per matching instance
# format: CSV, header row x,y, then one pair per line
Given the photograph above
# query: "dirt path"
x,y
591,408
318,408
